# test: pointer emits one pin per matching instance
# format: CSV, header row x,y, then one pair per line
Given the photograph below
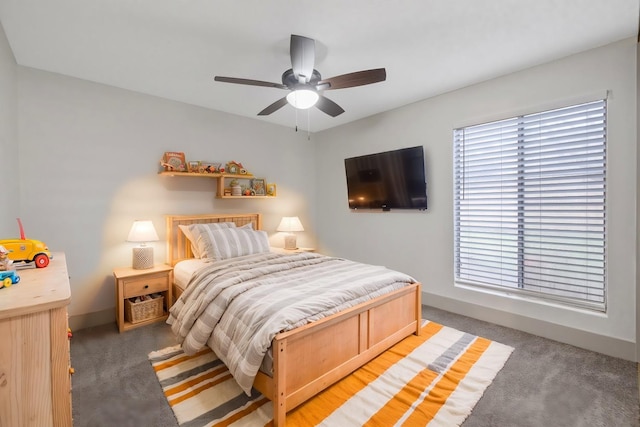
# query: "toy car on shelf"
x,y
8,278
27,250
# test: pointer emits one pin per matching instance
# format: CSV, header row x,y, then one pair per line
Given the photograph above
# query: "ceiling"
x,y
174,48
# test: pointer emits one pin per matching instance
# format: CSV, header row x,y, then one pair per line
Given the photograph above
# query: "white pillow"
x,y
232,242
193,231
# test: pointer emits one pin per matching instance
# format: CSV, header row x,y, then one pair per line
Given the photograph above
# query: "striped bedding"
x,y
237,306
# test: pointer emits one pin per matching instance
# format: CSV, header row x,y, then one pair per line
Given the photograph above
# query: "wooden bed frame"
x,y
308,359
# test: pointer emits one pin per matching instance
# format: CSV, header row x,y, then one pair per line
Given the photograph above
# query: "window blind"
x,y
529,212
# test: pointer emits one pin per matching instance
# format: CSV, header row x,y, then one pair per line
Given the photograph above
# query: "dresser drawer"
x,y
145,285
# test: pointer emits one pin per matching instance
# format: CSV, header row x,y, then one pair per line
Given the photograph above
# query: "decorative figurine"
x,y
236,189
7,277
234,167
5,262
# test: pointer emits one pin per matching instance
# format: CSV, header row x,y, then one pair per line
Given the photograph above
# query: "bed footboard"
x,y
311,358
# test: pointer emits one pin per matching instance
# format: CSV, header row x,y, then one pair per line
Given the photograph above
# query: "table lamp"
x,y
142,232
290,224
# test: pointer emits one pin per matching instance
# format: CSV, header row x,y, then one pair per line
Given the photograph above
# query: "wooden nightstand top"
x,y
122,272
292,251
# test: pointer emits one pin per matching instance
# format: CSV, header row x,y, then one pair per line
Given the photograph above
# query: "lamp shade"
x,y
142,231
289,224
303,98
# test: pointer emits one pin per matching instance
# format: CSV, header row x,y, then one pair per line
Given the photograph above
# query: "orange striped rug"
x,y
433,379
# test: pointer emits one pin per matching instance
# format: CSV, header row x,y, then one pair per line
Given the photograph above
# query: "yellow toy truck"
x,y
27,250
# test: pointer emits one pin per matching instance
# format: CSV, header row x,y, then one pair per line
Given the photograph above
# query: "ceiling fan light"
x,y
302,98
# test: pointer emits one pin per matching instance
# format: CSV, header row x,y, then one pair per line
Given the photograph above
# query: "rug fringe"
x,y
165,351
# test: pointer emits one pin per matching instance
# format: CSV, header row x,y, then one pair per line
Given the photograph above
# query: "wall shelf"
x,y
221,178
206,175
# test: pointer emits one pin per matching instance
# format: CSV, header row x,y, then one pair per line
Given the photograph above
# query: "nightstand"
x,y
293,251
132,283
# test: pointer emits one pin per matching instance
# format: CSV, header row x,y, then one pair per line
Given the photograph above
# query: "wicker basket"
x,y
136,312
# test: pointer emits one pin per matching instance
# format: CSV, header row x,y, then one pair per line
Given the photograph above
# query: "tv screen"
x,y
390,180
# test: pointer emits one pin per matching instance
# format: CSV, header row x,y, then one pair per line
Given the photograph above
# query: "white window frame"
x,y
530,205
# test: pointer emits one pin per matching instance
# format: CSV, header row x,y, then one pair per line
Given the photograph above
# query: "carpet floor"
x,y
544,383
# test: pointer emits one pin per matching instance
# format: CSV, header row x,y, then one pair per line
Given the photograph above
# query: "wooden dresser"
x,y
35,378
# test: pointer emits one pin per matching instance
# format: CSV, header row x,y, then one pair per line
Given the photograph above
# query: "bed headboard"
x,y
179,247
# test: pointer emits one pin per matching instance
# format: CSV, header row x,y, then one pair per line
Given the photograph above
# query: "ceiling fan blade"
x,y
326,105
249,82
359,78
303,56
274,107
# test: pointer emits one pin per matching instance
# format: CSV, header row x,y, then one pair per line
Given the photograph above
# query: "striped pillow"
x,y
232,242
194,231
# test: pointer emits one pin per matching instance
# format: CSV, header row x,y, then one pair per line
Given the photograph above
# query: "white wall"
x,y
8,141
91,156
637,211
421,243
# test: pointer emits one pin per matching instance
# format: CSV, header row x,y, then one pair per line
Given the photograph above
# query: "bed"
x,y
311,357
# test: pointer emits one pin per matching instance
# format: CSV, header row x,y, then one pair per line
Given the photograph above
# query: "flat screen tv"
x,y
389,180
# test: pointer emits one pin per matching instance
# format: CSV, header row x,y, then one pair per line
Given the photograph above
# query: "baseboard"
x,y
602,344
89,320
587,340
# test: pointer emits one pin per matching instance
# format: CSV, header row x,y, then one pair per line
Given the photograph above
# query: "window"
x,y
529,208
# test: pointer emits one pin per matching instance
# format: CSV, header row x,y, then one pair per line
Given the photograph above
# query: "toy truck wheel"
x,y
41,260
17,279
7,282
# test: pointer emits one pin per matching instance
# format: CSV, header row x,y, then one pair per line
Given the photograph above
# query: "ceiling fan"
x,y
305,84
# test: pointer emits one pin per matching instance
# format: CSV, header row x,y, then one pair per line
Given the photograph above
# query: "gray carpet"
x,y
544,383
